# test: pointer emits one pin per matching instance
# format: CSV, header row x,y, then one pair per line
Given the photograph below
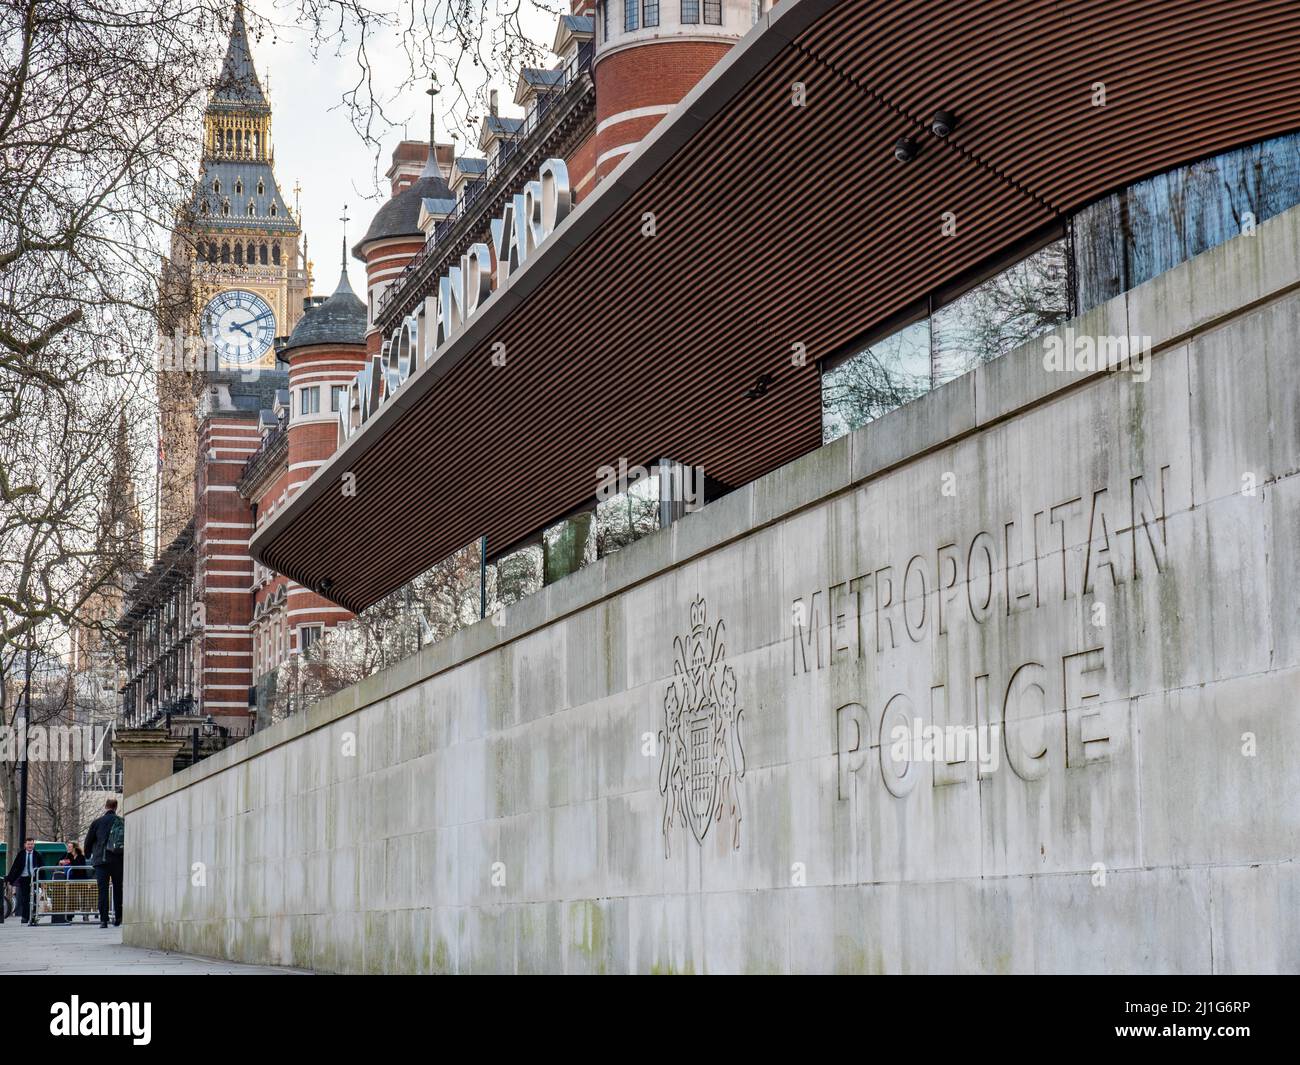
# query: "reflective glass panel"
x,y
628,516
883,375
1022,302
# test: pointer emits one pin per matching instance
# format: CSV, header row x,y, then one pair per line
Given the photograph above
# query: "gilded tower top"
x,y
238,88
237,124
237,186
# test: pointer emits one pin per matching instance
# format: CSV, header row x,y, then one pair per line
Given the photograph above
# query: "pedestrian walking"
x,y
21,874
105,843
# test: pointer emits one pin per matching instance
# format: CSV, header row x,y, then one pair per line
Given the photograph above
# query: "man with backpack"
x,y
104,843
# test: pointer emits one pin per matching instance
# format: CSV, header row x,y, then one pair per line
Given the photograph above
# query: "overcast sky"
x,y
315,144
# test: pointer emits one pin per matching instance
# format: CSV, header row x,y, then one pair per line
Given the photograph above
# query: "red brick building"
x,y
324,352
618,69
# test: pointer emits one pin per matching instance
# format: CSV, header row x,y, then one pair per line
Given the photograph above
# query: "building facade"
x,y
324,352
968,589
159,633
611,83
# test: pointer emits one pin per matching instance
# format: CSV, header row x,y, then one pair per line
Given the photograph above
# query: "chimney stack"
x,y
492,103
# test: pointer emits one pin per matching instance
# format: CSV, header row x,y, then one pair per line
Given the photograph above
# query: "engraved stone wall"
x,y
1005,681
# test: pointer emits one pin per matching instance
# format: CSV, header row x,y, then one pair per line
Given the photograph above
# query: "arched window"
x,y
274,212
239,254
216,186
205,208
261,254
252,253
230,140
225,251
275,253
239,187
225,208
252,210
261,188
212,252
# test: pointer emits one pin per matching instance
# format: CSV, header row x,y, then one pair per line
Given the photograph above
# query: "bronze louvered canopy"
x,y
777,225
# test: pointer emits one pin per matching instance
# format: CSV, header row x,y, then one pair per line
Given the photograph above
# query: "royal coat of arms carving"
x,y
702,760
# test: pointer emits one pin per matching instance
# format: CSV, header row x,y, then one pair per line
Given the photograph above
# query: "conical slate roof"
x,y
400,216
238,85
341,319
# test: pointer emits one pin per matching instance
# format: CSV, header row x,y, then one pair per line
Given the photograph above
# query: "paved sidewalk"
x,y
87,949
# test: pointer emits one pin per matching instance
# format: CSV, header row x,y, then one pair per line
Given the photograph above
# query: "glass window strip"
x,y
1108,247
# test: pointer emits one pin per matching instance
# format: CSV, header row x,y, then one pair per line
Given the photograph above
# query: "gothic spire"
x,y
238,85
121,525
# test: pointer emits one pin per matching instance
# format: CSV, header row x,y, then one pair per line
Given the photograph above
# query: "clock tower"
x,y
236,278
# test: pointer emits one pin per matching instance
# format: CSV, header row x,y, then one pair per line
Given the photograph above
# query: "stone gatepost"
x,y
147,755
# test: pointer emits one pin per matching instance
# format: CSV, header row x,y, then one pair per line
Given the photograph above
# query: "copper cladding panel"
x,y
779,225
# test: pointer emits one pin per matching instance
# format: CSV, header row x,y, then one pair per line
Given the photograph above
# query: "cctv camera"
x,y
943,123
905,150
324,585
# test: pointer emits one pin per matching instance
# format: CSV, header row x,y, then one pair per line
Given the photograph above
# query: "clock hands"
x,y
251,321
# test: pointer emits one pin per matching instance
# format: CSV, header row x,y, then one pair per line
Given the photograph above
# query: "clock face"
x,y
240,326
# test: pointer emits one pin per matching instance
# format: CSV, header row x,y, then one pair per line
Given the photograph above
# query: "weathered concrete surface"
x,y
1103,567
85,949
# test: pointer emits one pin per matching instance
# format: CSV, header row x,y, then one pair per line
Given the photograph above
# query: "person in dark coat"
x,y
21,874
107,862
60,897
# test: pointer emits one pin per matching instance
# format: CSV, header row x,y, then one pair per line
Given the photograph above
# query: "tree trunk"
x,y
9,790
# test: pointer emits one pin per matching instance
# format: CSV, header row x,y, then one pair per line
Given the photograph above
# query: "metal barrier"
x,y
66,891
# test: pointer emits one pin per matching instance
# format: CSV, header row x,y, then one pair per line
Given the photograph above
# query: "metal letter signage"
x,y
527,220
702,761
